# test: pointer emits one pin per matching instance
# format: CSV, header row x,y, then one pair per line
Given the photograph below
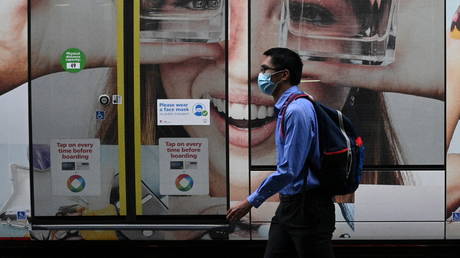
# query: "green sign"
x,y
73,60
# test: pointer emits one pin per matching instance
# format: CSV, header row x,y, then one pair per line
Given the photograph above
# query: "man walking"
x,y
305,219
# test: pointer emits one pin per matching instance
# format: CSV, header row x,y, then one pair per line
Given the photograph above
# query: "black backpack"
x,y
341,149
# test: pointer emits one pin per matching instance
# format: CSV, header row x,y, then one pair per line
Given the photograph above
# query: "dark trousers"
x,y
302,226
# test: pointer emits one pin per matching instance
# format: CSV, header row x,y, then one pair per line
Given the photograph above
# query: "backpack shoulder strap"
x,y
286,104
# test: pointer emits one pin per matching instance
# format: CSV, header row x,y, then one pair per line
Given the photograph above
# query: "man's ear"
x,y
286,75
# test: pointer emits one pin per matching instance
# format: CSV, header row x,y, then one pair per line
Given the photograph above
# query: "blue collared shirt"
x,y
300,136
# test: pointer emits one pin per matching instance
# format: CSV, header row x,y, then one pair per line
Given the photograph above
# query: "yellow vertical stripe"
x,y
121,110
137,108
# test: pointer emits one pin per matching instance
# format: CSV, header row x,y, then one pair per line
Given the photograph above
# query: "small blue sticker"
x,y
21,215
100,115
455,216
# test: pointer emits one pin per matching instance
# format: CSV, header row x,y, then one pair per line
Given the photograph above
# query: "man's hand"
x,y
236,213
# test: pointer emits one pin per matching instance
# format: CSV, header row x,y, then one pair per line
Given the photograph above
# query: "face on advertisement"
x,y
200,77
204,78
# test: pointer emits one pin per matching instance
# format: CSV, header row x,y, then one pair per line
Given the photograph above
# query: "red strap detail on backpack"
x,y
359,142
286,104
337,152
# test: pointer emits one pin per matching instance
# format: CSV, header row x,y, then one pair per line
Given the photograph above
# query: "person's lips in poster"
x,y
262,120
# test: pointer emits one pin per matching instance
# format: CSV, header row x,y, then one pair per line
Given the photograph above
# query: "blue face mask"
x,y
265,83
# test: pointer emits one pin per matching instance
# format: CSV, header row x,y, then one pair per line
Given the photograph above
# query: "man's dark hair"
x,y
284,58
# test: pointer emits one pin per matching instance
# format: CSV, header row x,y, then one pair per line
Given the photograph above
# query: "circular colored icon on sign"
x,y
184,182
199,110
76,183
73,60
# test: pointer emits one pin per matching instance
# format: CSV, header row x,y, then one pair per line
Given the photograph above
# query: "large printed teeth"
x,y
241,112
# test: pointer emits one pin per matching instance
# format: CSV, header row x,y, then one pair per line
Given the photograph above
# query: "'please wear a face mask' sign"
x,y
183,112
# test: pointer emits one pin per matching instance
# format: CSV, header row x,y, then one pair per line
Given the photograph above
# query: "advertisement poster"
x,y
184,166
76,167
183,112
394,92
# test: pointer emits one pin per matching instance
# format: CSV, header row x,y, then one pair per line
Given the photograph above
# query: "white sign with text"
x,y
183,112
75,167
184,166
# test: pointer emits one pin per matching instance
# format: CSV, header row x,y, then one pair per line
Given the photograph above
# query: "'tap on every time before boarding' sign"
x,y
183,112
184,166
75,167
